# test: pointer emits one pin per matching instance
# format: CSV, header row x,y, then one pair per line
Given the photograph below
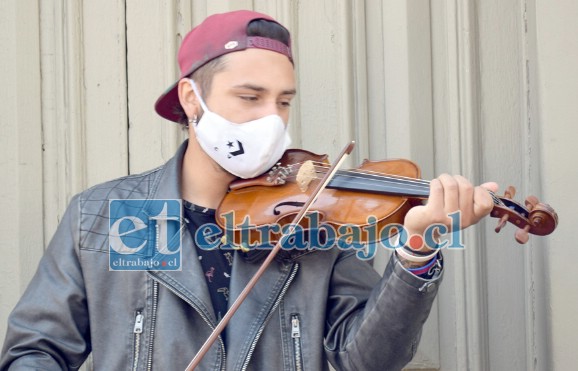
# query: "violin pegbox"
x,y
306,173
535,217
278,174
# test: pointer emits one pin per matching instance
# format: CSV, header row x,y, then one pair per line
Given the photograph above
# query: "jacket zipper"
x,y
205,318
273,308
137,330
153,324
296,335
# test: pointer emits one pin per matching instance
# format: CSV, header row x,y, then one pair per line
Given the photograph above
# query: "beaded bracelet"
x,y
425,268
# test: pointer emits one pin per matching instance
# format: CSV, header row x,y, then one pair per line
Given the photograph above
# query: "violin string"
x,y
496,199
397,180
367,173
380,182
381,176
386,178
385,185
383,179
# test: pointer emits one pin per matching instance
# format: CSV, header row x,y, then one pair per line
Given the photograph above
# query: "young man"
x,y
237,83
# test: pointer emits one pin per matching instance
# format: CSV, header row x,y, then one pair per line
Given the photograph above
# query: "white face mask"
x,y
245,149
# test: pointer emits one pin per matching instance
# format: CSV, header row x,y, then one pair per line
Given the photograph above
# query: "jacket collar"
x,y
167,185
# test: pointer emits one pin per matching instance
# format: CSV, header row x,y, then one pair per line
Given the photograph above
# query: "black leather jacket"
x,y
325,305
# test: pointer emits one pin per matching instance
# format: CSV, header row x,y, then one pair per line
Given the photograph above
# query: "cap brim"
x,y
168,105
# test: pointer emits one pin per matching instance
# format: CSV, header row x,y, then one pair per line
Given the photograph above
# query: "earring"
x,y
192,121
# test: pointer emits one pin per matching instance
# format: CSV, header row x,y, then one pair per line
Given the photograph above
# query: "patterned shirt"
x,y
216,263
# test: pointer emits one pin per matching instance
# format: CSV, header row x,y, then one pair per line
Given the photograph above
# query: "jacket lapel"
x,y
189,282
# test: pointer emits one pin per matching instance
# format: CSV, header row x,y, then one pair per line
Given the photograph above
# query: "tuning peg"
x,y
501,223
522,235
531,202
510,192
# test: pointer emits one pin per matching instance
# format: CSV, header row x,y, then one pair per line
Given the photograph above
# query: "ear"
x,y
188,99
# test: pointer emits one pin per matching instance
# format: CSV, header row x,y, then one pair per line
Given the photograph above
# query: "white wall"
x,y
556,83
21,192
484,88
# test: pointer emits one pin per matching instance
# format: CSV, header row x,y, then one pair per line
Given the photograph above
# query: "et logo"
x,y
144,235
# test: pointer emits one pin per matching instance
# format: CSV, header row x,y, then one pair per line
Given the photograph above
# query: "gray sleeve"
x,y
49,327
375,323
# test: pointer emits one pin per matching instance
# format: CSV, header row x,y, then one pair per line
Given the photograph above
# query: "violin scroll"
x,y
535,217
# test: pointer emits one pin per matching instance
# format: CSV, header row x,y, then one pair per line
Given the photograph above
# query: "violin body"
x,y
266,201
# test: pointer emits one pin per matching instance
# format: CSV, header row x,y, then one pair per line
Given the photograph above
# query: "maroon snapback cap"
x,y
219,34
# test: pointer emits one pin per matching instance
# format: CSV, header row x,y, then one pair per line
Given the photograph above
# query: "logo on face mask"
x,y
236,152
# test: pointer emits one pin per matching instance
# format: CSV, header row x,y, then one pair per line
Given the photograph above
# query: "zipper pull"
x,y
295,330
138,323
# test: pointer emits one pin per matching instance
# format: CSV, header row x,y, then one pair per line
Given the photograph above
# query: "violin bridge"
x,y
305,175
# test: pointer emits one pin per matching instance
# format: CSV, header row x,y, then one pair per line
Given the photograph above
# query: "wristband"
x,y
416,252
414,258
409,254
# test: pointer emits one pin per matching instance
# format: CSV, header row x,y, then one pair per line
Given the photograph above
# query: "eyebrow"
x,y
258,88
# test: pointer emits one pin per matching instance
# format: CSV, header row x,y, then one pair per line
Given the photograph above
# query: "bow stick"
x,y
227,317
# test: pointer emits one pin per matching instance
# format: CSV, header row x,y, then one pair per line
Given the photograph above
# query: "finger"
x,y
483,202
436,195
451,193
491,186
466,200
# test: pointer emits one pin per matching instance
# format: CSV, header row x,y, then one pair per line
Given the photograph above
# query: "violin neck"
x,y
380,184
389,185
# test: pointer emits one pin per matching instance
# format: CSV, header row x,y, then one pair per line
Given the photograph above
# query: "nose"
x,y
272,107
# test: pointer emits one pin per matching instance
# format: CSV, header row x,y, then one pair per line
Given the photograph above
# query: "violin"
x,y
385,190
